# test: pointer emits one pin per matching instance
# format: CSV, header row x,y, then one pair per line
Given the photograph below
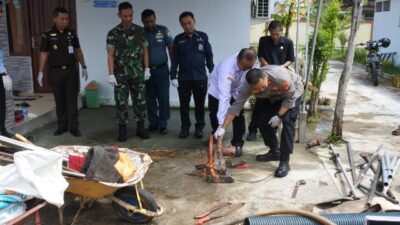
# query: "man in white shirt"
x,y
225,83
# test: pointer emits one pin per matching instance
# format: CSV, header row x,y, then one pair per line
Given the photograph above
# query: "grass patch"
x,y
333,139
360,57
390,68
311,120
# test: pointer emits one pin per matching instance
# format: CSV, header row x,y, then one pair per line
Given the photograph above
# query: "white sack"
x,y
36,173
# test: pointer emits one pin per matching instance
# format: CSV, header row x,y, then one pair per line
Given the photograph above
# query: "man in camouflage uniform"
x,y
127,55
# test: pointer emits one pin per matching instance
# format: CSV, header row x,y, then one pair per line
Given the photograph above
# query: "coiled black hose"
x,y
339,219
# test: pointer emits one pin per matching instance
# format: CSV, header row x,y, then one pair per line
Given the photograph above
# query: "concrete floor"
x,y
184,196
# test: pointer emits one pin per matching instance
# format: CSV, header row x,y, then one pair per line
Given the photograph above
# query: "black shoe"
x,y
5,133
238,151
59,131
184,134
283,169
152,128
252,136
198,133
269,156
141,132
122,133
163,130
76,132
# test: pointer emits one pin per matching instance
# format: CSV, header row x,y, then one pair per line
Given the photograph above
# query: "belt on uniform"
x,y
154,67
63,67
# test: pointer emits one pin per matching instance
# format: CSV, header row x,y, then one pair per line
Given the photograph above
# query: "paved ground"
x,y
371,113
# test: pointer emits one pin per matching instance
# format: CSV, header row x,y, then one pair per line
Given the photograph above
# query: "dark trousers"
x,y
239,123
157,97
2,106
199,90
65,84
269,110
253,123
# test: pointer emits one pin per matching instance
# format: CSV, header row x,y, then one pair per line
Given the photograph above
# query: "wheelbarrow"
x,y
129,199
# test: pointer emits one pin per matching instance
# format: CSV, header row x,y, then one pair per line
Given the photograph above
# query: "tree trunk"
x,y
289,19
337,125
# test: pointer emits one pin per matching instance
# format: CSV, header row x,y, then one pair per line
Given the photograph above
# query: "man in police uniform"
x,y
272,50
128,68
191,53
60,45
157,87
279,92
225,83
5,85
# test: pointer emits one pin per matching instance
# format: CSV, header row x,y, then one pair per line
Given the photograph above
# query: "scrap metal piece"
x,y
363,172
351,161
296,188
336,159
373,186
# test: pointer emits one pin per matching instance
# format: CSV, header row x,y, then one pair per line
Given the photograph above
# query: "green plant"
x,y
333,139
343,40
389,68
323,50
311,120
286,11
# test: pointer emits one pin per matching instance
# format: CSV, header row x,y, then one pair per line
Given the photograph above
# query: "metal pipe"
x,y
373,187
392,200
393,162
394,171
351,161
297,38
385,178
363,172
306,61
339,162
387,163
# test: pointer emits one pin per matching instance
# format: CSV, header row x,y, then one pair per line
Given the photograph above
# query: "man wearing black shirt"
x,y
272,50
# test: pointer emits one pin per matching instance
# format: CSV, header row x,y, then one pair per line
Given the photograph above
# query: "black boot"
x,y
283,168
269,156
238,151
141,132
122,133
252,136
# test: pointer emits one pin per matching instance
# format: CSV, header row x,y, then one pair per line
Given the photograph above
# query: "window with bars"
x,y
382,6
262,8
378,7
386,6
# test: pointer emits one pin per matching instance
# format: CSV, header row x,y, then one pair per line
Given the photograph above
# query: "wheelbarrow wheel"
x,y
128,195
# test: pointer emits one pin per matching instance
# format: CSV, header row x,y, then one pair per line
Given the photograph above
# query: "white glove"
x,y
274,121
7,82
85,74
175,83
147,74
219,132
112,80
40,79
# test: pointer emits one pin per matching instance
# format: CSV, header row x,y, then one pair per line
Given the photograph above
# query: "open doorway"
x,y
25,22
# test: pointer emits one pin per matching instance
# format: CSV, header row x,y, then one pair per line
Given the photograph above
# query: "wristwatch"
x,y
84,66
280,116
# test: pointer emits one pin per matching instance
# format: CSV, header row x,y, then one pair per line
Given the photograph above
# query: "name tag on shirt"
x,y
70,49
201,47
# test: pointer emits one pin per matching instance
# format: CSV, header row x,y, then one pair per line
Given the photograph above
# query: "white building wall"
x,y
387,24
226,22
